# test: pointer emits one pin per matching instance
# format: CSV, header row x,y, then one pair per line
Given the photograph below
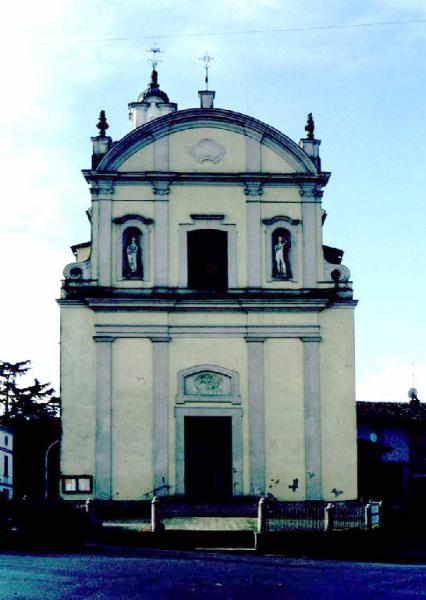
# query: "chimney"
x,y
206,98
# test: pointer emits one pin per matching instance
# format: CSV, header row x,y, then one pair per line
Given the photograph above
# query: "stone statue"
x,y
132,252
280,263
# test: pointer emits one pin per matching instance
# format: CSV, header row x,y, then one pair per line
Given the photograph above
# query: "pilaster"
x,y
253,192
161,233
253,162
312,405
161,153
256,415
160,397
104,198
311,198
103,444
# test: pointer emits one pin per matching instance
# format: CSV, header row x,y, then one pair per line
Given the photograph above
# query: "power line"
x,y
232,33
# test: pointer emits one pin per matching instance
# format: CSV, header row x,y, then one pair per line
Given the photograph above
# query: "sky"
x,y
357,66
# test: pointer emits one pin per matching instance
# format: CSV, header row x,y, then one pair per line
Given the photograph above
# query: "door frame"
x,y
235,413
183,248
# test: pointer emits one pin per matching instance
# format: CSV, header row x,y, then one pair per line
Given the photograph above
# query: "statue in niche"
x,y
281,242
132,254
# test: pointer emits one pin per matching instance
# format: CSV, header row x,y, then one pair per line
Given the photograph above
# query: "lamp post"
x,y
46,468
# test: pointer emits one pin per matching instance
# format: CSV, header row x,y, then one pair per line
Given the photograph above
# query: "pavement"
x,y
120,573
188,524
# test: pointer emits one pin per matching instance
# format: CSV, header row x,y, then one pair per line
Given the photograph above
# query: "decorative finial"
x,y
310,127
206,60
102,124
154,60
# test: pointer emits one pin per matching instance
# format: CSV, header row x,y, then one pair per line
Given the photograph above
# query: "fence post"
x,y
156,524
367,516
261,516
329,517
381,513
90,511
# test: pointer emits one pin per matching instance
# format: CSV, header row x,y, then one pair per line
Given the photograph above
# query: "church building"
x,y
207,337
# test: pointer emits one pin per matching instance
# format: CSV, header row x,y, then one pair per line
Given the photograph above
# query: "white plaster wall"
x,y
136,192
78,392
284,418
271,162
131,419
142,160
338,408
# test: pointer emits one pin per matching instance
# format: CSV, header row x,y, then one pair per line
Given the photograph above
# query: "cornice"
x,y
206,178
281,218
182,299
125,218
165,333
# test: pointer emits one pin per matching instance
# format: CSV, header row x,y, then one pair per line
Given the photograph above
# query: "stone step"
x,y
176,538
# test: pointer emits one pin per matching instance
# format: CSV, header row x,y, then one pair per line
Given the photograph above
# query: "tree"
x,y
32,402
33,413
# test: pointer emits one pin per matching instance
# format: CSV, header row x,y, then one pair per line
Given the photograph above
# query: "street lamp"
x,y
46,468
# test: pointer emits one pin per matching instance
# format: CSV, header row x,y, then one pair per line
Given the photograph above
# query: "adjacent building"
x,y
207,337
6,462
392,451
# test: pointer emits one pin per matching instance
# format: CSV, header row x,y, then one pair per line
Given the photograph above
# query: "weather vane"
x,y
206,60
154,60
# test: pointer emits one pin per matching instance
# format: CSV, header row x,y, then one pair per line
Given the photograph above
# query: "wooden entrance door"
x,y
208,458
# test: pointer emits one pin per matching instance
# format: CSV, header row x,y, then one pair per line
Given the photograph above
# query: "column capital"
x,y
258,339
157,339
310,192
102,190
253,189
314,339
106,339
161,188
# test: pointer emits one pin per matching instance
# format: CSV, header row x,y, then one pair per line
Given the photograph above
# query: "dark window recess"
x,y
207,259
6,466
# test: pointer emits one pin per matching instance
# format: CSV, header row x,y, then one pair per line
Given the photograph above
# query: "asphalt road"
x,y
133,574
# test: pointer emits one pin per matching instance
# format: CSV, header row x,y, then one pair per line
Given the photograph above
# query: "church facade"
x,y
207,339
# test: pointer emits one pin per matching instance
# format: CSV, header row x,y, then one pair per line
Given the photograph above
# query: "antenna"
x,y
154,60
206,60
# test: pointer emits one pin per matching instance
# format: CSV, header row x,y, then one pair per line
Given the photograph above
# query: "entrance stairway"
x,y
184,524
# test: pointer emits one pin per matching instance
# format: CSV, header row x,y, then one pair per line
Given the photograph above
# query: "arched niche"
x,y
281,248
132,248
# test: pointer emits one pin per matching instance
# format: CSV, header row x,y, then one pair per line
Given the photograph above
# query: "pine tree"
x,y
32,412
29,402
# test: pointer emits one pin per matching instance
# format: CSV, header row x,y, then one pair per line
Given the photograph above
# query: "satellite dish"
x,y
412,393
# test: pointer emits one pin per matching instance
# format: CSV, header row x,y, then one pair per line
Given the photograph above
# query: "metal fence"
x,y
349,515
294,516
317,516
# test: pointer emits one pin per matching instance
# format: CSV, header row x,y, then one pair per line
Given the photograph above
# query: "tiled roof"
x,y
392,411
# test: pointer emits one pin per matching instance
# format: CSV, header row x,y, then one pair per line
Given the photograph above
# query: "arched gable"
x,y
272,140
